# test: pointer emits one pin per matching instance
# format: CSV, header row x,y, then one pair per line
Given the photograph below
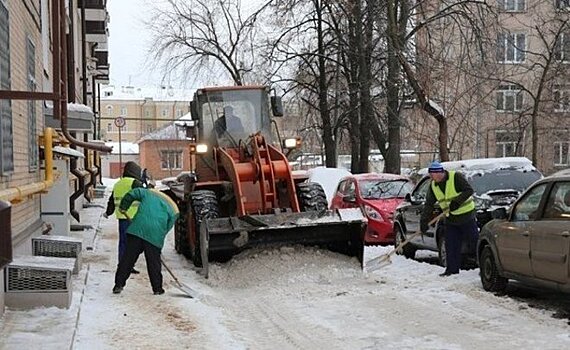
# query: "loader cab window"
x,y
233,115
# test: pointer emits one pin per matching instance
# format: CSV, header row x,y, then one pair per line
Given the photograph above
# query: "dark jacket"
x,y
133,170
465,191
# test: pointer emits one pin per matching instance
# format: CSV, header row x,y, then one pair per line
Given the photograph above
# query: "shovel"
x,y
189,292
384,259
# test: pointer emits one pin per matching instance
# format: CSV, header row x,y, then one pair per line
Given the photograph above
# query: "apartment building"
x,y
504,84
26,65
144,110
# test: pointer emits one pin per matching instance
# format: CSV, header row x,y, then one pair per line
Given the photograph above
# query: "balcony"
x,y
96,15
92,4
96,32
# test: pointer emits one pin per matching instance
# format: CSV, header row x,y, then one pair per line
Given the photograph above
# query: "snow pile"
x,y
328,178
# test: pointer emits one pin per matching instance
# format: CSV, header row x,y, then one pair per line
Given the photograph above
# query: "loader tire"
x,y
181,244
203,205
311,197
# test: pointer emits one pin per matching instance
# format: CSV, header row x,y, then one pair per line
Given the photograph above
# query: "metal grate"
x,y
52,246
33,279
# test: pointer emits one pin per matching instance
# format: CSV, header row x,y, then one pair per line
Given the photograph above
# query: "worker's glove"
x,y
105,216
454,205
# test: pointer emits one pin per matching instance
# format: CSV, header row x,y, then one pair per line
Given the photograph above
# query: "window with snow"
x,y
109,127
171,160
149,128
509,98
562,48
109,110
165,112
123,111
561,98
511,47
508,143
561,155
512,5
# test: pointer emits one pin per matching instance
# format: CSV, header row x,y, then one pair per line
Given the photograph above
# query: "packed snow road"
x,y
291,298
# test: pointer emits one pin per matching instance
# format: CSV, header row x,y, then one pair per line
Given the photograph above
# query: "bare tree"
x,y
199,36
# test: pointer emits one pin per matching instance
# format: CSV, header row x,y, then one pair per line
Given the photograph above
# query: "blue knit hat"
x,y
435,167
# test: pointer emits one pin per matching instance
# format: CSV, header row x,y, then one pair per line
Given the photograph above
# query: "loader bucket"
x,y
338,229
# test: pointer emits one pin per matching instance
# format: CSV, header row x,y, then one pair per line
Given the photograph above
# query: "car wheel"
x,y
490,278
442,251
409,251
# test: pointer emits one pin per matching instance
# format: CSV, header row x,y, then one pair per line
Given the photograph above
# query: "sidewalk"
x,y
98,319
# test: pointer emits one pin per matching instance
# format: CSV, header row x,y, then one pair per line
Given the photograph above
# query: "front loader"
x,y
241,192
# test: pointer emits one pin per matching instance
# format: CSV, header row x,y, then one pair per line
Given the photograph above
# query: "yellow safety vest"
x,y
120,189
450,193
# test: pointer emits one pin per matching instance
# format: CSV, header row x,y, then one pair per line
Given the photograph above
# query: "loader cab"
x,y
227,115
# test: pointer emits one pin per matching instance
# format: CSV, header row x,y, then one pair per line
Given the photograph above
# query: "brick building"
x,y
26,51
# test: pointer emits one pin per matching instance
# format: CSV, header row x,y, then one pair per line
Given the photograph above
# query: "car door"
x,y
513,236
550,237
413,211
337,199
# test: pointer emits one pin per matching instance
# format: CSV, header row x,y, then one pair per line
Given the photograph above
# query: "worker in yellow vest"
x,y
455,197
131,179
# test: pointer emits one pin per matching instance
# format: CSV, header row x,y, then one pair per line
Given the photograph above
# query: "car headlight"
x,y
292,143
482,203
372,213
201,148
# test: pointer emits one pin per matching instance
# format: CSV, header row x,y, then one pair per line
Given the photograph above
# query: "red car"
x,y
378,195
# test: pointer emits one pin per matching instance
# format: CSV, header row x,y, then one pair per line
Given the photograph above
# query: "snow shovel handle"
x,y
379,261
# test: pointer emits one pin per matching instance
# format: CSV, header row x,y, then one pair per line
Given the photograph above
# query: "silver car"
x,y
531,242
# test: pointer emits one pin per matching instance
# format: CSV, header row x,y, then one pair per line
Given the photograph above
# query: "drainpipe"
x,y
19,193
59,70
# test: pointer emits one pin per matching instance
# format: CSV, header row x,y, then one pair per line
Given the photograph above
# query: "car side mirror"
x,y
408,197
276,106
349,199
499,213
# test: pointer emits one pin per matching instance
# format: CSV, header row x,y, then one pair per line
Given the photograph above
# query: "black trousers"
x,y
135,246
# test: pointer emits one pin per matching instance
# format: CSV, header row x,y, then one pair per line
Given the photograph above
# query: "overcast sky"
x,y
128,43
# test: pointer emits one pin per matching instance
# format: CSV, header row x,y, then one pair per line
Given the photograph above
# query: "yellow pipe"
x,y
17,194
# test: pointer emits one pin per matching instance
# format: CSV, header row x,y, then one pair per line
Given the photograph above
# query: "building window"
x,y
171,160
110,110
511,47
149,128
561,156
123,111
562,48
179,113
147,113
6,133
509,98
561,97
108,93
32,86
512,5
165,112
562,4
109,127
508,143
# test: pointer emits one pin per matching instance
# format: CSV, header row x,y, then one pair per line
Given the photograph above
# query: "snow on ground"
x,y
291,297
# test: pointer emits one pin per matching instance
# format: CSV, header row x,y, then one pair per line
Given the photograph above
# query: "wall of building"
x,y
25,22
150,156
111,166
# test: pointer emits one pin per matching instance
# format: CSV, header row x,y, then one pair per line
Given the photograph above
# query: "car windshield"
x,y
377,189
504,179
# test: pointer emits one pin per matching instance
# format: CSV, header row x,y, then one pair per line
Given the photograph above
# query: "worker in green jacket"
x,y
155,217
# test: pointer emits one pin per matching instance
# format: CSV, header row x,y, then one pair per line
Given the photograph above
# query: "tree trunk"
x,y
328,138
392,162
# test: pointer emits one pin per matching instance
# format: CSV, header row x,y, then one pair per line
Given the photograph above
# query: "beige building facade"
x,y
143,110
498,85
